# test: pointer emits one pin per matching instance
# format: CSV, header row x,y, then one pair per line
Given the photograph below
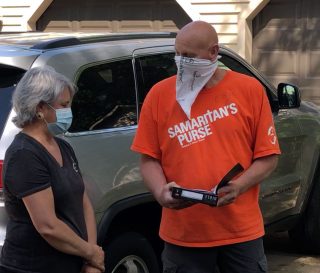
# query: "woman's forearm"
x,y
90,219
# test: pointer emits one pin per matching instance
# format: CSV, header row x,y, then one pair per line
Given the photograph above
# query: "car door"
x,y
104,123
279,192
105,113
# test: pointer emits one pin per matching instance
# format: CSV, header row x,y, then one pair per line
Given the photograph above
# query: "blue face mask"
x,y
63,121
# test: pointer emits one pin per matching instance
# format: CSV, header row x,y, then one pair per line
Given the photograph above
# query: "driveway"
x,y
283,256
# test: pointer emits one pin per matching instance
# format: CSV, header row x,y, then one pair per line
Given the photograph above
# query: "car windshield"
x,y
9,77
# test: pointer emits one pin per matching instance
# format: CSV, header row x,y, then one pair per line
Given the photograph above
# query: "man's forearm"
x,y
152,174
260,169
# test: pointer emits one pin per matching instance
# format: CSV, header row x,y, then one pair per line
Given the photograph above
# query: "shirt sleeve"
x,y
146,140
265,140
26,174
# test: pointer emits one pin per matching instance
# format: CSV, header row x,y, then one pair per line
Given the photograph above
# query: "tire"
x,y
130,252
307,232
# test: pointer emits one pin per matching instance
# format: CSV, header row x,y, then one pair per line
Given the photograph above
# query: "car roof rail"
x,y
71,41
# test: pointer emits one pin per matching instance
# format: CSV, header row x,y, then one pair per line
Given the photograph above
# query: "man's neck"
x,y
216,78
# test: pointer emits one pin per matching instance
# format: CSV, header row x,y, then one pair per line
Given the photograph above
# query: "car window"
x,y
152,69
9,77
227,62
106,97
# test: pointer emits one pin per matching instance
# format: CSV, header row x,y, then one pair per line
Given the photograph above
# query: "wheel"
x,y
130,253
307,232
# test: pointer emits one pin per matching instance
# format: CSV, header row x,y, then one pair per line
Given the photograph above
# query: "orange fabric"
x,y
230,123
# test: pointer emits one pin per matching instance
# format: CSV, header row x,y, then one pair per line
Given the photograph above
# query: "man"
x,y
193,129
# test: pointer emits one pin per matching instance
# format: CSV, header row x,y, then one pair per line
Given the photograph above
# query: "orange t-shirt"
x,y
230,123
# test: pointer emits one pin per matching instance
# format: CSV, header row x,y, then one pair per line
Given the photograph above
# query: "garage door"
x,y
113,16
286,44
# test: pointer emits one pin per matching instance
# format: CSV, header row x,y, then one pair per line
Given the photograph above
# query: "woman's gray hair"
x,y
39,84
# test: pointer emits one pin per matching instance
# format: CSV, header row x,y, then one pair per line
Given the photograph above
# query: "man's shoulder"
x,y
165,84
244,78
164,90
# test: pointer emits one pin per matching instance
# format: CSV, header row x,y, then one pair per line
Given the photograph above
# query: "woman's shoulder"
x,y
21,143
22,148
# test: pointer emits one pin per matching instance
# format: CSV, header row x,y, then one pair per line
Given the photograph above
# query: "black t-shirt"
x,y
29,168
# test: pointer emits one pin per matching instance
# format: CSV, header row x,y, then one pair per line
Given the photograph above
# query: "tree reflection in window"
x,y
105,98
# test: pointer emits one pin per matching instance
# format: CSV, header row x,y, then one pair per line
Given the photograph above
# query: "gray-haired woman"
x,y
51,225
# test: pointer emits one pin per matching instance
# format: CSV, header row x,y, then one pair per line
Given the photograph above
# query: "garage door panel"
x,y
133,10
294,54
95,26
311,40
310,94
99,11
284,78
167,11
60,26
167,25
313,8
312,65
278,63
279,14
313,23
135,25
278,39
113,15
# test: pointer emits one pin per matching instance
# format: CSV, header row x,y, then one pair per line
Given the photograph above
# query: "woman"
x,y
51,225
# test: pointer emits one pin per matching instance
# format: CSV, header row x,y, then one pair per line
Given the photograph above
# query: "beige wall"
x,y
21,15
232,18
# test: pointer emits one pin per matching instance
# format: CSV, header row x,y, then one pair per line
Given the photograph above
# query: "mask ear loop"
x,y
51,106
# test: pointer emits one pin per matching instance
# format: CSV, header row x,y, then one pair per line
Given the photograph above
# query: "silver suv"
x,y
113,74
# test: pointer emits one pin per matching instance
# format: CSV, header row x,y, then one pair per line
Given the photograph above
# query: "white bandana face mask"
x,y
192,76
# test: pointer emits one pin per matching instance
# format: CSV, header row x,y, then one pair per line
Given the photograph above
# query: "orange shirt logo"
x,y
197,129
272,135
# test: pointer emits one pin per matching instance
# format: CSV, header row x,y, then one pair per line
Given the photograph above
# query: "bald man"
x,y
193,128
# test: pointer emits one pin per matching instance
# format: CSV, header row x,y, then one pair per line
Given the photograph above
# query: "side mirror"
x,y
288,96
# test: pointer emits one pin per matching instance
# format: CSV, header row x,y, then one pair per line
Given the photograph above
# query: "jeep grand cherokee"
x,y
113,74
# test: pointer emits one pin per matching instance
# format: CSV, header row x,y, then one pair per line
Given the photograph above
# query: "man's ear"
x,y
213,51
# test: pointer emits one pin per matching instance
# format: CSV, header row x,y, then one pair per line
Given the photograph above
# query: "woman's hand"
x,y
87,268
97,258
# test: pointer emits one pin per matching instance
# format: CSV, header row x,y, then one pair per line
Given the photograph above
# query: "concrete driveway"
x,y
283,256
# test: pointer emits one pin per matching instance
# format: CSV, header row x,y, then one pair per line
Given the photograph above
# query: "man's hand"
x,y
228,193
165,198
156,182
260,169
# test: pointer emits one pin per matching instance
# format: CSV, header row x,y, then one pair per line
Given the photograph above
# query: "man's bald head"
x,y
195,38
200,31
